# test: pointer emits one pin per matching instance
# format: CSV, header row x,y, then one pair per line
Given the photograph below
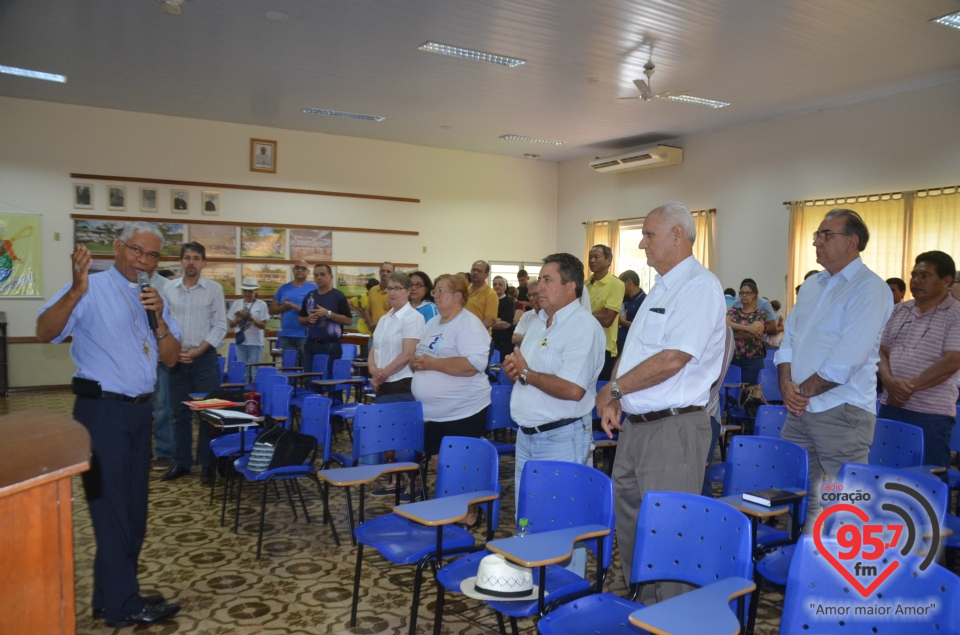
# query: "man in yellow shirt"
x,y
482,300
606,301
379,304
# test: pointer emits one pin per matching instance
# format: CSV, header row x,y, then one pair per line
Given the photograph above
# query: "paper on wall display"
x,y
20,265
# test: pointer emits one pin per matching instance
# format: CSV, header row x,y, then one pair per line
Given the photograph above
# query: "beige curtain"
x,y
704,247
602,233
936,227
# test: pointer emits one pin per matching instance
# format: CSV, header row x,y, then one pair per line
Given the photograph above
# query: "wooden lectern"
x,y
39,453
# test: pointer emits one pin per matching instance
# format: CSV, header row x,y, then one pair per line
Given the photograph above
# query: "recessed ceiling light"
x,y
277,15
337,113
531,156
513,137
592,80
949,20
446,49
50,77
699,101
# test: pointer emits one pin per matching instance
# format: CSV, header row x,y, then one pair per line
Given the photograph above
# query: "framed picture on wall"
x,y
311,244
263,155
116,198
210,203
263,242
148,199
83,195
180,201
220,240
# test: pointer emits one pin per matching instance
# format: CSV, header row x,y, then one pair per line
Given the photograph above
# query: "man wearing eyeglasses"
x,y
116,353
829,354
920,357
286,303
324,313
197,305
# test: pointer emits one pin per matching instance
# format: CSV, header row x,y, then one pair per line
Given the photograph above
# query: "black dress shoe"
x,y
175,472
151,614
205,476
150,600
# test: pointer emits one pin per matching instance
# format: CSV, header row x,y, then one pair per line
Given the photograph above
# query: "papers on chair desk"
x,y
771,497
232,414
211,403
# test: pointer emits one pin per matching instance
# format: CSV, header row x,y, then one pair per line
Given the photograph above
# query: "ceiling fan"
x,y
647,94
171,7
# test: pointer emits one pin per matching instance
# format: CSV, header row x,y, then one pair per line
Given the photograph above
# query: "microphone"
x,y
144,281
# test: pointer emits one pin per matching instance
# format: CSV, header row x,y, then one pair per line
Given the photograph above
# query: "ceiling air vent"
x,y
641,159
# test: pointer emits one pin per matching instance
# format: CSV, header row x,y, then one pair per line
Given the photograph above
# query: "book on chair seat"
x,y
771,497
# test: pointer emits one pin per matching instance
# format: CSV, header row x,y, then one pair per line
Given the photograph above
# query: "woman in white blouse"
x,y
394,343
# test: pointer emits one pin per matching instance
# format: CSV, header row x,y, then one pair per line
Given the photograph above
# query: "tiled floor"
x,y
303,582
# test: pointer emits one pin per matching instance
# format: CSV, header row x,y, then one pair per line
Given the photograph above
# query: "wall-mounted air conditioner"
x,y
645,158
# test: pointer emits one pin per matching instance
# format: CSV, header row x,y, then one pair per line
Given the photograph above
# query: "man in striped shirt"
x,y
198,306
920,356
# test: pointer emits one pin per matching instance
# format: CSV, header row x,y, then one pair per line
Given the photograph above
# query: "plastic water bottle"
x,y
522,528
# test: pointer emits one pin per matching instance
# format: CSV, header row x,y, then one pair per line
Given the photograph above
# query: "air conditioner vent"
x,y
644,158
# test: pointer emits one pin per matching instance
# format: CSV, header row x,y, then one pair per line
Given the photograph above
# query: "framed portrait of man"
x,y
116,198
180,201
210,203
148,199
83,195
263,156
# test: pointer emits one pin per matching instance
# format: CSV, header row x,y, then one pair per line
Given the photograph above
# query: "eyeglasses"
x,y
439,291
896,339
747,293
395,289
826,234
152,256
418,285
300,268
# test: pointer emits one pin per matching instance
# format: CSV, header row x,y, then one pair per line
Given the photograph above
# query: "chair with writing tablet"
x,y
896,444
910,601
498,418
680,537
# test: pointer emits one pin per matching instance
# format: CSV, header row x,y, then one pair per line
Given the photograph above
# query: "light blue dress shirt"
x,y
834,331
106,345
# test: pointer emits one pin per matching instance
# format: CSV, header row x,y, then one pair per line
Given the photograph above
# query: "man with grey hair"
x,y
673,354
829,354
116,352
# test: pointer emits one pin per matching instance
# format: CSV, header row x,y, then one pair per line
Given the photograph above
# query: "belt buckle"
x,y
674,412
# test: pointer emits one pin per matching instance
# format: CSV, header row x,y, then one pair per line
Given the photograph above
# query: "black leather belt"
x,y
549,426
647,417
121,397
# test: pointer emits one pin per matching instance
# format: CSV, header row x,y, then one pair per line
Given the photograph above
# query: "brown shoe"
x,y
162,464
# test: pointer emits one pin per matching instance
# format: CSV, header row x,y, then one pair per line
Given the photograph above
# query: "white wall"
x,y
472,205
901,142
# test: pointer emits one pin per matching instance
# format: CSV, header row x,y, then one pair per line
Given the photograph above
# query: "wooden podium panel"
x,y
39,453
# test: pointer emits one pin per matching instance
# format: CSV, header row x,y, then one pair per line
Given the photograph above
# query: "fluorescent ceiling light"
x,y
950,20
50,77
513,137
446,49
699,101
337,113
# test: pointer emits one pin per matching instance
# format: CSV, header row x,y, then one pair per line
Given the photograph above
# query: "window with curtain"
x,y
509,271
901,225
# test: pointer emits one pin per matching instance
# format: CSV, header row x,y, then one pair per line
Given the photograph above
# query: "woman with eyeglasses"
x,y
421,295
748,323
394,343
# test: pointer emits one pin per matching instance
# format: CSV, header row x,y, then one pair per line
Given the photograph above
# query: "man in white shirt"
x,y
197,304
673,354
829,354
527,318
556,369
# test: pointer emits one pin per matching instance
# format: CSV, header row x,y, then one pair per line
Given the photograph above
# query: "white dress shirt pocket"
x,y
654,325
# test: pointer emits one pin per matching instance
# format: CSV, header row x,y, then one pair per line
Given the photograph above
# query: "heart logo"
x,y
862,515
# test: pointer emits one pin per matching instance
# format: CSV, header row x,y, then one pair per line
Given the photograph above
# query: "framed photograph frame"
x,y
83,195
148,199
116,198
263,156
210,203
180,201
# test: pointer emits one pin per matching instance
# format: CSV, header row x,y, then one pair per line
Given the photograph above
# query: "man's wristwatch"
x,y
523,377
614,391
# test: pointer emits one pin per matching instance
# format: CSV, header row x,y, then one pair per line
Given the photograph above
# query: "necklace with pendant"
x,y
136,322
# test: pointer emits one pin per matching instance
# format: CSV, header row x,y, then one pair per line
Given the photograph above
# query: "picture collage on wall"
x,y
116,198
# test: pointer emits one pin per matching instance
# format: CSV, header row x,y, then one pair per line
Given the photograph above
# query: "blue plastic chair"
x,y
553,495
770,421
680,537
349,351
302,392
465,465
261,371
498,418
232,352
315,422
236,374
770,386
768,364
289,360
953,476
870,478
896,444
222,363
813,580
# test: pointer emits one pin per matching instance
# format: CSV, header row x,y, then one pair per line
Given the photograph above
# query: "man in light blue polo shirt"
x,y
116,352
286,303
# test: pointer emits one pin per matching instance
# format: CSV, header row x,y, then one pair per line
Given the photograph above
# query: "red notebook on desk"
x,y
211,403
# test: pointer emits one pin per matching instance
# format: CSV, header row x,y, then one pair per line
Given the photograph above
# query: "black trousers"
x,y
116,487
608,363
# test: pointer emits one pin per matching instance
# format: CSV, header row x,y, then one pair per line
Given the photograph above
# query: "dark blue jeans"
x,y
333,348
202,376
936,432
749,369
